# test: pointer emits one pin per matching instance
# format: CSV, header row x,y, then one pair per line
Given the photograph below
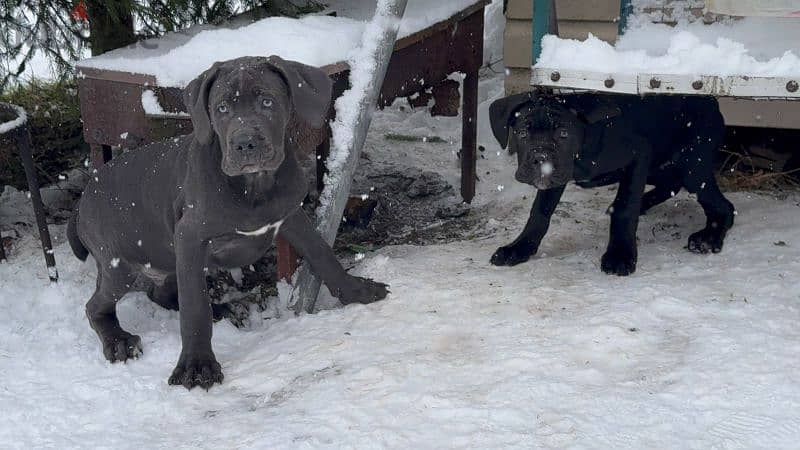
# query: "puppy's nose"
x,y
537,157
244,141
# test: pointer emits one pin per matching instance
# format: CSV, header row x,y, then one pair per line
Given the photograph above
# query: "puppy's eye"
x,y
223,108
266,103
563,134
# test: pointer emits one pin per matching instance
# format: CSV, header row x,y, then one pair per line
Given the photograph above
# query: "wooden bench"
x,y
113,115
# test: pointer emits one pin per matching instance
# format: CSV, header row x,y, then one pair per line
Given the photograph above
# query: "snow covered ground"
x,y
690,352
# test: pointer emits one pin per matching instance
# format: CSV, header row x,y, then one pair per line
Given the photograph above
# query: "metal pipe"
x,y
22,137
388,15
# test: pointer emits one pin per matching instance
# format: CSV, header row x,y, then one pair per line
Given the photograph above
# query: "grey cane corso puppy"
x,y
596,140
216,198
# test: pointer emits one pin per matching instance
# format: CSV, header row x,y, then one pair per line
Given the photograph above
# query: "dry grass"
x,y
737,174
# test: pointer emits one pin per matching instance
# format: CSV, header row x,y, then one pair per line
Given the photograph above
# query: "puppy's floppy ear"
x,y
310,89
501,112
195,97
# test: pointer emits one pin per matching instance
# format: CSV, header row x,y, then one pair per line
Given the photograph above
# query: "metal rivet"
x,y
697,85
791,86
555,76
655,83
609,83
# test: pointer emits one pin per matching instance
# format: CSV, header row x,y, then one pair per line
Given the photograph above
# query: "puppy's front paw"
x,y
122,346
511,255
618,261
706,240
196,370
364,290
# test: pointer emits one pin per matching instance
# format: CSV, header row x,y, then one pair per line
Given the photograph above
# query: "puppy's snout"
x,y
539,155
246,141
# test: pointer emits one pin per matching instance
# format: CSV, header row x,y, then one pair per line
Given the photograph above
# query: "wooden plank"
x,y
517,80
661,84
760,113
588,10
519,9
517,40
113,75
571,29
651,83
739,86
580,80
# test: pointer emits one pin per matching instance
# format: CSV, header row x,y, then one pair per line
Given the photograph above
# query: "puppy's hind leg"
x,y
719,217
165,294
698,177
112,284
667,184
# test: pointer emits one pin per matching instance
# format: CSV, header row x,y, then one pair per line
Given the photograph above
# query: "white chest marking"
x,y
275,227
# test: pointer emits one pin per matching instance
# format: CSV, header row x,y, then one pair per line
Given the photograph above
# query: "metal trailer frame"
x,y
744,100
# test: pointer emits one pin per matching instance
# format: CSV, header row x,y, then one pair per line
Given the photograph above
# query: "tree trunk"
x,y
110,24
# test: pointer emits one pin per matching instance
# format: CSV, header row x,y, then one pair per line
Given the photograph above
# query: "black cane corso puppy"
x,y
216,198
596,140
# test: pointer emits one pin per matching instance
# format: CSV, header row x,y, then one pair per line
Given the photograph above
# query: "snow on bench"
x,y
318,40
748,57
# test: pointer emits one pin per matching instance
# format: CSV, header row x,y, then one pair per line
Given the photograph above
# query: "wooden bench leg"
x,y
100,154
288,259
469,136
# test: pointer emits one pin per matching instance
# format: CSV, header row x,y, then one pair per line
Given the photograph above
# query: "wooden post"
x,y
469,136
288,259
97,155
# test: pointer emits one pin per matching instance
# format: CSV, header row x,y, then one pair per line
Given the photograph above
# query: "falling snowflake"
x,y
114,263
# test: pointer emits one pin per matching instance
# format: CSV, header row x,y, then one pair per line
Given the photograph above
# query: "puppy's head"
x,y
247,104
545,133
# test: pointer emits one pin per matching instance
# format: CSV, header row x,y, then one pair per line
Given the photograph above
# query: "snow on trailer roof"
x,y
318,40
743,57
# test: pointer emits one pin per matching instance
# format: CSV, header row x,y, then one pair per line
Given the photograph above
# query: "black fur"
x,y
598,139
